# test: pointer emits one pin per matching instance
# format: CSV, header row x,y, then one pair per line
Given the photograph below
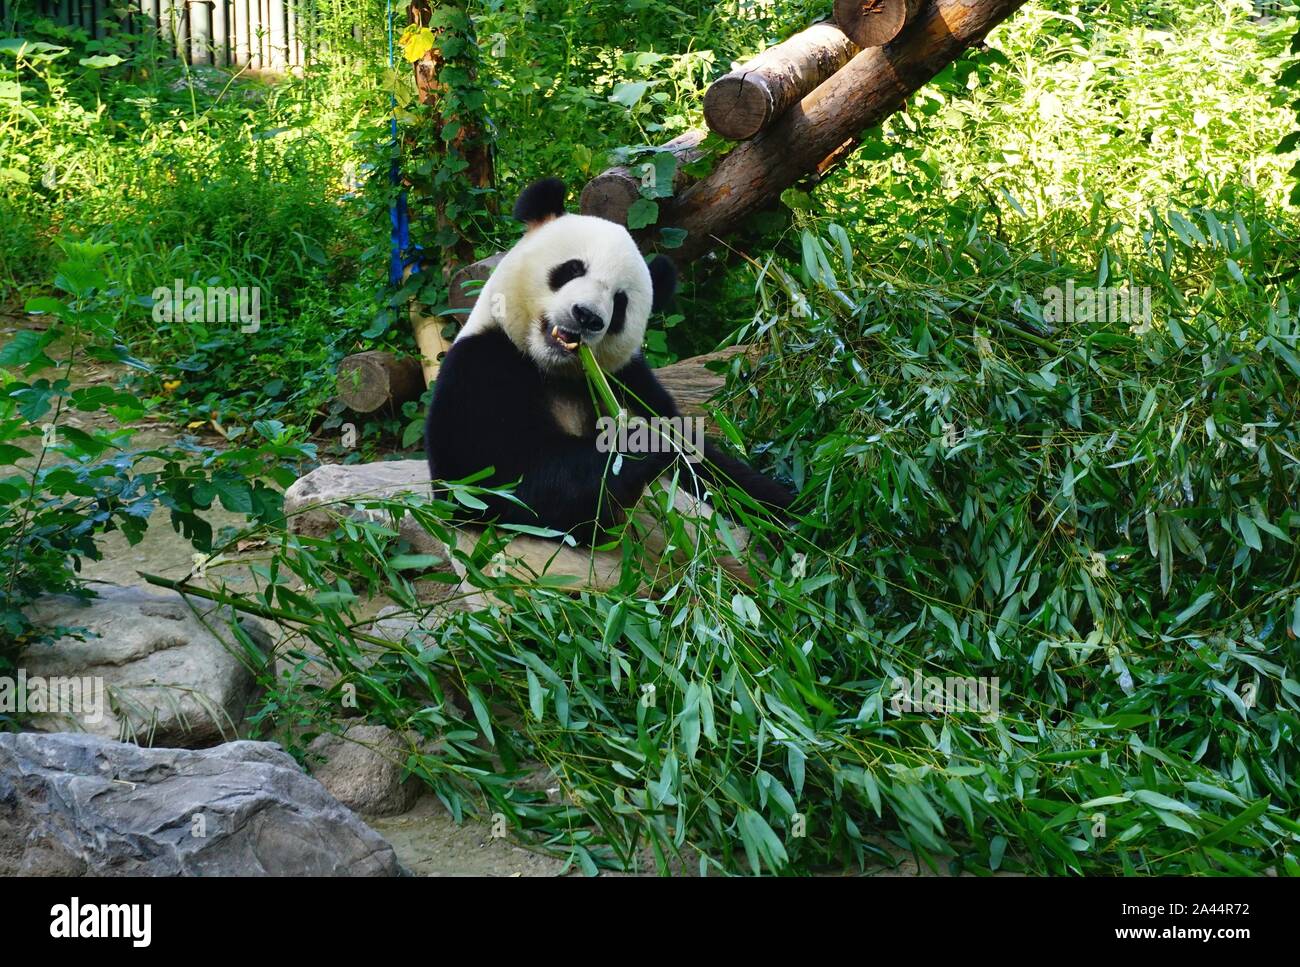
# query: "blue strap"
x,y
398,214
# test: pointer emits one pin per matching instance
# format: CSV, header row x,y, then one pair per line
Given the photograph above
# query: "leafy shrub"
x,y
196,177
65,487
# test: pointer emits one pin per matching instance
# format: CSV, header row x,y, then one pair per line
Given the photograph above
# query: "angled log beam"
x,y
871,86
740,104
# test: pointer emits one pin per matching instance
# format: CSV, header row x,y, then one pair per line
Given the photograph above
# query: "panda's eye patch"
x,y
619,318
566,272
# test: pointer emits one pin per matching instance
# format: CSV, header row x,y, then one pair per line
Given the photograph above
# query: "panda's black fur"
x,y
500,387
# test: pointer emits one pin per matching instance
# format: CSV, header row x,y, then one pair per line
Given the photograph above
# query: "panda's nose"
x,y
588,318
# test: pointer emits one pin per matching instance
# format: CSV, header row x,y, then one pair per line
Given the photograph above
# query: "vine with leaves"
x,y
445,147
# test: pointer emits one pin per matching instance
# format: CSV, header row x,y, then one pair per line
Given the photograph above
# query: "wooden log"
x,y
691,384
836,156
744,102
464,291
871,86
611,193
874,23
367,381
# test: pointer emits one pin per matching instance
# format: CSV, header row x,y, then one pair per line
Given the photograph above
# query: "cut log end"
x,y
466,282
610,195
874,23
613,192
371,380
741,104
738,106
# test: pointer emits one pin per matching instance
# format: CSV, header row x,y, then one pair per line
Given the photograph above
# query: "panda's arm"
x,y
719,468
643,391
489,409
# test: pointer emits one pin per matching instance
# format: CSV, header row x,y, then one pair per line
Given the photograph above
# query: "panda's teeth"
x,y
555,334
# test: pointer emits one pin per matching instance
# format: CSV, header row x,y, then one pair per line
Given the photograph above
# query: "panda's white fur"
x,y
511,397
517,297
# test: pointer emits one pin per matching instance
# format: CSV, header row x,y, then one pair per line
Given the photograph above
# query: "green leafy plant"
x,y
65,485
986,501
1290,78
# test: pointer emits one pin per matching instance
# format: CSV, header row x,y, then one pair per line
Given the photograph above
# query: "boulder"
x,y
362,769
158,669
77,804
314,502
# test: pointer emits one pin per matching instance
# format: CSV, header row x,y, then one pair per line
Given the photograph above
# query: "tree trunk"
x,y
744,102
469,140
367,381
874,23
871,86
611,193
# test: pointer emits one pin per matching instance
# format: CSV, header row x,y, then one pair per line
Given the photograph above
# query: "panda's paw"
x,y
623,490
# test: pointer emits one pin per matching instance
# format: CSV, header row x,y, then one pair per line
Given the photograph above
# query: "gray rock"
x,y
77,804
317,500
362,769
314,503
159,669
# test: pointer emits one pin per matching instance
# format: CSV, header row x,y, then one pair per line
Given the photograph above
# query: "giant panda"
x,y
512,394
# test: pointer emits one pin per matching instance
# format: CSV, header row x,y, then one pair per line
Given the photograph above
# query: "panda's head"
x,y
572,279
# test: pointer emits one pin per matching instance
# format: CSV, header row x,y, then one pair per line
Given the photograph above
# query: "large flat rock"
x,y
80,805
158,669
314,502
317,500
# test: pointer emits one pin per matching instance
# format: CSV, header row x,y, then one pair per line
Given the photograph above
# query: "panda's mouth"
x,y
564,340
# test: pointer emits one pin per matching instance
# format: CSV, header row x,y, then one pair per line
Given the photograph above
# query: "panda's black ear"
x,y
663,279
540,202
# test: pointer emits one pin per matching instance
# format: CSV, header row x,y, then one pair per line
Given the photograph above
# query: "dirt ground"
x,y
428,842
